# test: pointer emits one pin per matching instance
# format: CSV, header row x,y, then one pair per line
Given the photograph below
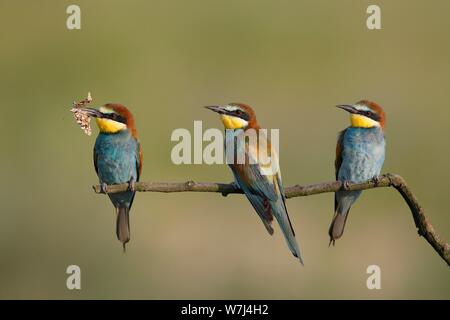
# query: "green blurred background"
x,y
292,61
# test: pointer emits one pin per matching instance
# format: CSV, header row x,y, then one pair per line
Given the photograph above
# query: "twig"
x,y
423,225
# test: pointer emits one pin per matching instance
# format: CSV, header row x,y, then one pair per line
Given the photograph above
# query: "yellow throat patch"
x,y
360,121
230,122
109,126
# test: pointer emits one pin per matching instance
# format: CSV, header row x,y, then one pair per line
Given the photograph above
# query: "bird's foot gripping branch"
x,y
425,229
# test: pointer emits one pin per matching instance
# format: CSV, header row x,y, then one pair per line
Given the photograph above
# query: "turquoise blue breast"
x,y
117,157
363,152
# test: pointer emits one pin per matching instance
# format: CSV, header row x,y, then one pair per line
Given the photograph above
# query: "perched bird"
x,y
360,154
262,187
117,159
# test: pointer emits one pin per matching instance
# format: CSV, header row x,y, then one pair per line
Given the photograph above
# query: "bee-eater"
x,y
360,154
117,159
264,190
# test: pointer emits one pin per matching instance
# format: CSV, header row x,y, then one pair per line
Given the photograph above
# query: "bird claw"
x,y
132,185
346,185
332,241
103,188
376,180
235,186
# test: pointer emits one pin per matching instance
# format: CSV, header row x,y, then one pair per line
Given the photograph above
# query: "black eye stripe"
x,y
370,114
115,117
241,114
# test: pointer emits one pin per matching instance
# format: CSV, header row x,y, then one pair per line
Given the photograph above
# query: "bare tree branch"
x,y
425,229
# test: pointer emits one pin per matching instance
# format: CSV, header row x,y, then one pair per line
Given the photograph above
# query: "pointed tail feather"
x,y
343,201
280,212
123,225
262,210
268,227
337,225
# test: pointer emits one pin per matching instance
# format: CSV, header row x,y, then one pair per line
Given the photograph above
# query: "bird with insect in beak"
x,y
360,155
264,190
117,159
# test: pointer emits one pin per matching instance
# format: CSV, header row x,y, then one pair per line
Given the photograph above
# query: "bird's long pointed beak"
x,y
93,112
217,109
347,107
